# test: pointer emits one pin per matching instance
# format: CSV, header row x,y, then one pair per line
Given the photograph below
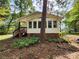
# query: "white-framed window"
x,y
39,24
49,24
34,24
55,24
30,24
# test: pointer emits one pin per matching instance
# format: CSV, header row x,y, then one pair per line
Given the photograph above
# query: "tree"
x,y
72,17
23,6
4,9
48,7
43,20
4,13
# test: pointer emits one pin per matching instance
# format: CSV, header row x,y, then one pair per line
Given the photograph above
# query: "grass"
x,y
57,40
4,37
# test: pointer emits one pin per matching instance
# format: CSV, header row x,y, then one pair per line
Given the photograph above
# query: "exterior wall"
x,y
48,35
48,30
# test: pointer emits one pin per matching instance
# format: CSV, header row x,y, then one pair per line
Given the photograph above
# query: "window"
x,y
39,24
34,24
55,24
30,24
49,24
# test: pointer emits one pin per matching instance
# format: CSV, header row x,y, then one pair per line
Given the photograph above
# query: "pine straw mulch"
x,y
39,51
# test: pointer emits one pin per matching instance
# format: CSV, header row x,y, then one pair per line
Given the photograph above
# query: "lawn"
x,y
4,37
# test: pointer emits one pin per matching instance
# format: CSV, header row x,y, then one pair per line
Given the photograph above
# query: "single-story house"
x,y
33,24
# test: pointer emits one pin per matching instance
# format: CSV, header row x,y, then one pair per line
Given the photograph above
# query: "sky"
x,y
40,6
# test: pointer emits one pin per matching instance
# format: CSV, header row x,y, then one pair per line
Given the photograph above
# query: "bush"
x,y
57,40
3,30
74,33
63,33
24,42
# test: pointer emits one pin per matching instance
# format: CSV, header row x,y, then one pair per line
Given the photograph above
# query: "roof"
x,y
36,15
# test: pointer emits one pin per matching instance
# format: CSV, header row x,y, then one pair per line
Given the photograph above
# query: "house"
x,y
33,24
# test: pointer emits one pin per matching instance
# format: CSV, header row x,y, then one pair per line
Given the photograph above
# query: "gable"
x,y
38,15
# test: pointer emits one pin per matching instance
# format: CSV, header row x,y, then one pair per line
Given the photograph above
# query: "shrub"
x,y
3,30
63,33
57,40
74,33
24,42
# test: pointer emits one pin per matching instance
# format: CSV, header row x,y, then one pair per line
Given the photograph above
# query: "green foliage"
x,y
74,33
24,42
4,13
63,33
5,3
24,6
4,9
57,40
3,30
72,16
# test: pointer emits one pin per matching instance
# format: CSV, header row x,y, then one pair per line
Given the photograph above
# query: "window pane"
x,y
30,24
55,24
39,24
49,24
34,24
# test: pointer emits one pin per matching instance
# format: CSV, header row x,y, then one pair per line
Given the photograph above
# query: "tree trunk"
x,y
75,26
43,21
19,30
19,20
10,23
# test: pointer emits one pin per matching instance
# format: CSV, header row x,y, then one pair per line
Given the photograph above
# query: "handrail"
x,y
18,29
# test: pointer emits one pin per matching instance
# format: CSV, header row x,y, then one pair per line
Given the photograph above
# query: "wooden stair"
x,y
22,32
